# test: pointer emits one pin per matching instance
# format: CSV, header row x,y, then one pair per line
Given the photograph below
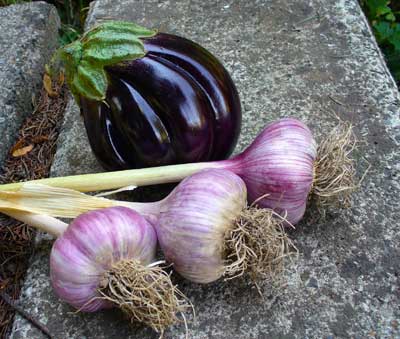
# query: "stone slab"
x,y
310,59
28,37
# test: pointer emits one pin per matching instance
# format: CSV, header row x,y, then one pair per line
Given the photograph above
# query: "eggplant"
x,y
170,102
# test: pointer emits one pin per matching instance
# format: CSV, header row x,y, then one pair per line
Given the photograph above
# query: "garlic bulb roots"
x,y
144,293
334,169
257,245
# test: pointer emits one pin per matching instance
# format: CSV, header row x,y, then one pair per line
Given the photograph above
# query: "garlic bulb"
x,y
206,230
279,166
195,219
106,258
91,246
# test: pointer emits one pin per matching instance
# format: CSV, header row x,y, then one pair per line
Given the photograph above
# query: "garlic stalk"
x,y
283,164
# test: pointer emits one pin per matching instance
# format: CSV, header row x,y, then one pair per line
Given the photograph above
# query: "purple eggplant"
x,y
172,103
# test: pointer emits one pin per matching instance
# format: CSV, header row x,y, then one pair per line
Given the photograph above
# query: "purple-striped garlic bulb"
x,y
105,259
284,168
207,231
279,167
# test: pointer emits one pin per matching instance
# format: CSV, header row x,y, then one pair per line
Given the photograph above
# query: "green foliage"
x,y
73,15
10,2
384,16
106,44
68,34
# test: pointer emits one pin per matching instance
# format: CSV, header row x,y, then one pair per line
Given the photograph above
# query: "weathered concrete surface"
x,y
345,283
28,37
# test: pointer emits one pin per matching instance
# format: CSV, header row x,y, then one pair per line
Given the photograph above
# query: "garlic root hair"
x,y
144,293
257,245
334,176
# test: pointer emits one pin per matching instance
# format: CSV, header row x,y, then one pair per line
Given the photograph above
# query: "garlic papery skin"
x,y
278,167
92,244
194,220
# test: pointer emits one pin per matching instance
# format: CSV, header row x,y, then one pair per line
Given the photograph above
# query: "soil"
x,y
29,158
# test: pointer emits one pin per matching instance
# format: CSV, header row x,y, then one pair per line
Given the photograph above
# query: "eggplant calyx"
x,y
106,44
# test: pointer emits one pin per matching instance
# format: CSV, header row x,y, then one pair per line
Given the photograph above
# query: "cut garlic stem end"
x,y
41,222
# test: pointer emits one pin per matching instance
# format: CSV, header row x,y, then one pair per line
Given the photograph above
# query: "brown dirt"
x,y
30,158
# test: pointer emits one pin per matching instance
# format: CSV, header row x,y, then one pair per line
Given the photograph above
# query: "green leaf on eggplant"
x,y
107,44
90,81
111,50
119,27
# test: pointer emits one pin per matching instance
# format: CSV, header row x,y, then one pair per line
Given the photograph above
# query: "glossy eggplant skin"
x,y
177,104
